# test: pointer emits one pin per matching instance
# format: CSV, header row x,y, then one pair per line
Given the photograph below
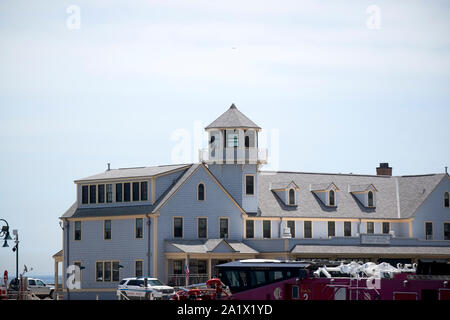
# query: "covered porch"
x,y
58,258
199,259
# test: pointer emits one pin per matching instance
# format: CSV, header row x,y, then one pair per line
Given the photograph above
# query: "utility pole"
x,y
16,249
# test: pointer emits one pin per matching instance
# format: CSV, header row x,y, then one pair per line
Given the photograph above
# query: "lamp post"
x,y
4,233
16,249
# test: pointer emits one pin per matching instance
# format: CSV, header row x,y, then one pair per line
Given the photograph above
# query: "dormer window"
x,y
326,193
201,192
446,200
370,202
287,192
365,194
292,201
332,198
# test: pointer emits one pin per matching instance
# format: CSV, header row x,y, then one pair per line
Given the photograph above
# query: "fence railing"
x,y
234,155
179,280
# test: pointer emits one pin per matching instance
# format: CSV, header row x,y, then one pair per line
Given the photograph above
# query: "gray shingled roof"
x,y
205,246
233,118
371,250
75,212
412,193
173,189
132,172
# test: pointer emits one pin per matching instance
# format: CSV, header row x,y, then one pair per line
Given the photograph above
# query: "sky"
x,y
337,86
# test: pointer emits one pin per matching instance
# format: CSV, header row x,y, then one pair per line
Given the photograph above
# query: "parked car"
x,y
143,289
35,286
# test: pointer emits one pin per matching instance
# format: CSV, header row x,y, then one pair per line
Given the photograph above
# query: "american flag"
x,y
186,271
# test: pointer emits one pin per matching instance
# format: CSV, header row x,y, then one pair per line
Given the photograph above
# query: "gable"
x,y
184,195
223,247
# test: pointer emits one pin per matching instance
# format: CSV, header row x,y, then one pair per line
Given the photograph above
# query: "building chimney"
x,y
384,170
109,167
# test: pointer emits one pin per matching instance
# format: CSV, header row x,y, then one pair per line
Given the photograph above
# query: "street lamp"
x,y
4,232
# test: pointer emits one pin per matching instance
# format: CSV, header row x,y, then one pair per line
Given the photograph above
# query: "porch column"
x,y
56,276
167,271
186,266
209,268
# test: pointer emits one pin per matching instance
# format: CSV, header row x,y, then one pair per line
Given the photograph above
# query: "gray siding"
x,y
123,247
433,210
184,203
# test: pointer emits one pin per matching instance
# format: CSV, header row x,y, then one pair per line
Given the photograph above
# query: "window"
x,y
107,230
292,197
144,191
370,228
446,231
446,200
139,228
84,194
177,266
126,192
233,140
92,194
307,229
347,228
386,227
249,185
109,193
101,193
107,271
267,232
135,191
331,229
201,267
138,268
118,192
428,231
291,226
99,271
202,228
178,227
115,271
201,192
223,226
247,141
370,202
77,232
332,198
250,229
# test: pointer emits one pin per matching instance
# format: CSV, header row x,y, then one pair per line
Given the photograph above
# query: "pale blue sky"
x,y
343,97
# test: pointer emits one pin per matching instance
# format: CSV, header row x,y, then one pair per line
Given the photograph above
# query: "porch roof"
x,y
208,246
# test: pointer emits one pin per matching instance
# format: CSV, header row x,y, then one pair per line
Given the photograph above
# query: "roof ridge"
x,y
328,174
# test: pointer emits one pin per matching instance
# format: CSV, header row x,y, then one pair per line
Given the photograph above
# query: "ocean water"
x,y
47,278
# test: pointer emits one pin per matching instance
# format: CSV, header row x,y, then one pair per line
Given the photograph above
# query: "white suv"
x,y
135,288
